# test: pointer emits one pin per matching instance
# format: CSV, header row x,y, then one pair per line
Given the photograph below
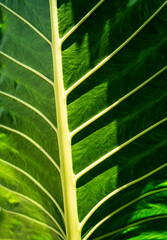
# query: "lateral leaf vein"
x,y
27,67
33,142
116,103
106,198
100,160
81,21
37,205
31,107
26,22
128,226
33,220
36,183
82,79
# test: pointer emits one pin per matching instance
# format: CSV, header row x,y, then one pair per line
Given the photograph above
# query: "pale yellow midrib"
x,y
67,176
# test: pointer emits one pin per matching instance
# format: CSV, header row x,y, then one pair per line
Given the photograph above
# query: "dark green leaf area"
x,y
2,23
119,125
28,87
14,115
35,12
149,230
130,163
20,82
105,30
17,227
23,44
119,170
144,211
141,150
70,14
35,132
140,202
118,77
24,84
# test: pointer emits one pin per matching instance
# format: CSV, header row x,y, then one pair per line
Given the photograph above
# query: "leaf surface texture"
x,y
114,76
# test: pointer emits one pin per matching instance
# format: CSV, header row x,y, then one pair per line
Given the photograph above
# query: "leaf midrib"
x,y
66,170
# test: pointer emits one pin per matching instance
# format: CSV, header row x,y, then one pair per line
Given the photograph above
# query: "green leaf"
x,y
83,120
